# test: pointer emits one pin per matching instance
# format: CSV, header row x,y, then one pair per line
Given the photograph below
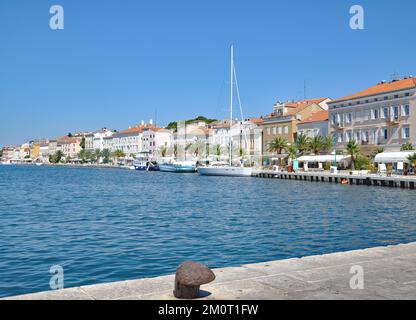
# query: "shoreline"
x,y
388,273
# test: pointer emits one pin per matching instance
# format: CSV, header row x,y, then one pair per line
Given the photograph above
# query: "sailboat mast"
x,y
231,101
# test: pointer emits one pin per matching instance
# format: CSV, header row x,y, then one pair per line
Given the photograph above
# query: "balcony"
x,y
394,120
338,126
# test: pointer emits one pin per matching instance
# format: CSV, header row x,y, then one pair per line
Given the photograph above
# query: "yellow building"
x,y
283,122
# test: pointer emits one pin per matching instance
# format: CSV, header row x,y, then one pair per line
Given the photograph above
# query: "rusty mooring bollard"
x,y
189,277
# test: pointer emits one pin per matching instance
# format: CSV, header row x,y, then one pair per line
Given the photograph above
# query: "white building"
x,y
98,139
154,139
380,116
246,137
314,126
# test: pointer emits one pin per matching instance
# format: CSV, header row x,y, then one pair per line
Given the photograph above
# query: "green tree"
x,y
175,150
353,150
362,162
407,147
412,160
293,152
97,155
106,155
278,145
218,150
302,143
163,151
328,144
118,154
316,145
56,157
82,143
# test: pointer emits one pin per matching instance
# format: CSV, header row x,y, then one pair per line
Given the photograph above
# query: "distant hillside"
x,y
174,125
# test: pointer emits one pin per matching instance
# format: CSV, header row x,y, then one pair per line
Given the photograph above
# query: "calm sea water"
x,y
106,225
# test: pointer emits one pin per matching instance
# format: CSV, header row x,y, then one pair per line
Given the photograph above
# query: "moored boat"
x,y
229,169
179,166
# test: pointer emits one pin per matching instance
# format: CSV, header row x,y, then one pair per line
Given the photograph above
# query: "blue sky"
x,y
117,61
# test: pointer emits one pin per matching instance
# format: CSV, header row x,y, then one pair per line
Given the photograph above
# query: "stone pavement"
x,y
389,273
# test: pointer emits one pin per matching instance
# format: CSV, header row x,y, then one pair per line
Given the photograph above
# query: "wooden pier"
x,y
402,182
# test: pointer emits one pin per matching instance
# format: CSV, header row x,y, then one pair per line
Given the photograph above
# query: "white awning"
x,y
393,157
323,158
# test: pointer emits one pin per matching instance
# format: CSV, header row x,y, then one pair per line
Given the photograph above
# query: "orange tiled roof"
x,y
256,120
316,117
137,129
381,88
317,100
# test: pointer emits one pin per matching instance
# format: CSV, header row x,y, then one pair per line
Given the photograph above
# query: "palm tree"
x,y
302,143
163,151
97,155
118,154
106,155
293,152
278,145
175,150
407,147
316,144
218,150
328,144
353,150
412,160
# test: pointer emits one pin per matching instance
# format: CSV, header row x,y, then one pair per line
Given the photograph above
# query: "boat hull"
x,y
177,168
225,171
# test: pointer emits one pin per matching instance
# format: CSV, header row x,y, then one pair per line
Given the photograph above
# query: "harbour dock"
x,y
404,182
387,273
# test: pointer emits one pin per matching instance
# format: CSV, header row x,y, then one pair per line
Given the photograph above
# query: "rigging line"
x,y
238,94
241,109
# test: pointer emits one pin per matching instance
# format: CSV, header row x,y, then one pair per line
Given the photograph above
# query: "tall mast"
x,y
231,101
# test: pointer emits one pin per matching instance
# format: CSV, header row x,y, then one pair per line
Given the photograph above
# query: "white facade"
x,y
313,129
98,138
384,119
154,139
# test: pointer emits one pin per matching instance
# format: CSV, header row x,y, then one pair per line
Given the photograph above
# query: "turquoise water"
x,y
106,225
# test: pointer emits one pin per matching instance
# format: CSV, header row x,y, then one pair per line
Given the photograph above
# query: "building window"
x,y
386,112
386,98
376,115
268,131
286,129
406,110
396,112
274,130
396,96
279,130
357,136
358,116
406,133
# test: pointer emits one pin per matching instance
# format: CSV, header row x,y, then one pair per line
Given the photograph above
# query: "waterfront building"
x,y
44,151
24,152
9,154
89,142
314,126
98,138
382,116
129,141
246,138
283,122
53,146
70,146
154,139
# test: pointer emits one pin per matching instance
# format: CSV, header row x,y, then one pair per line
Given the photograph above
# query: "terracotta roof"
x,y
317,117
132,130
381,88
317,100
256,120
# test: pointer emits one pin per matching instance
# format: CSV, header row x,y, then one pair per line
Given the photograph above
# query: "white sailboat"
x,y
228,170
